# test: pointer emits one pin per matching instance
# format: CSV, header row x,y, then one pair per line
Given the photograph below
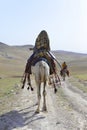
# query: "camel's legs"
x,y
44,97
39,97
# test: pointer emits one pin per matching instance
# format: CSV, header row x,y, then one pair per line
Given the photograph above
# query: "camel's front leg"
x,y
39,97
44,98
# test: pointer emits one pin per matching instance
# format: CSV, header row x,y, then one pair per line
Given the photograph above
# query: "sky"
x,y
64,20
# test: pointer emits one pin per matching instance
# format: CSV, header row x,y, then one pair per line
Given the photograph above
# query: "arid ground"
x,y
66,110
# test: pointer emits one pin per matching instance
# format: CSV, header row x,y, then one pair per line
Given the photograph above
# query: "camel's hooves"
x,y
37,112
32,89
36,103
44,109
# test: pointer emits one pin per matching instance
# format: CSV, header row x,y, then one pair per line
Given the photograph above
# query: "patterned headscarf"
x,y
42,41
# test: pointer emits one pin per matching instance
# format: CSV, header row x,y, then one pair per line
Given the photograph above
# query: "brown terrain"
x,y
66,110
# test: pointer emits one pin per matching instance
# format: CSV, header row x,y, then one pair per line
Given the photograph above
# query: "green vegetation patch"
x,y
9,88
8,85
81,76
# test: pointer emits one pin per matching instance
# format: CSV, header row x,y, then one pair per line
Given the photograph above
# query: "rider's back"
x,y
42,42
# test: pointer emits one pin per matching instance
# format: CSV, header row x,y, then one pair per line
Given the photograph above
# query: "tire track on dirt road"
x,y
77,102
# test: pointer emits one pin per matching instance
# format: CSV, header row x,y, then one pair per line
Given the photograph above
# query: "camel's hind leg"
x,y
44,98
39,97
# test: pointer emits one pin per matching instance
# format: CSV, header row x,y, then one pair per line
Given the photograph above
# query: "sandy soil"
x,y
65,112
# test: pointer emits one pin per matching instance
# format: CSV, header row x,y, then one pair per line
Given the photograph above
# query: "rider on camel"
x,y
64,67
40,50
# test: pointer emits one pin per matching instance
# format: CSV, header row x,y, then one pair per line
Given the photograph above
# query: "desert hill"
x,y
14,58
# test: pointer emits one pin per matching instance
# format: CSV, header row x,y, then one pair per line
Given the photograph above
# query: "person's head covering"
x,y
42,41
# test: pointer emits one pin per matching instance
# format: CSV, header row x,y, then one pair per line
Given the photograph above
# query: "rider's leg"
x,y
26,74
68,73
24,80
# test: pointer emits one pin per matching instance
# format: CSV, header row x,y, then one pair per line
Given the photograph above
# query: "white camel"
x,y
41,72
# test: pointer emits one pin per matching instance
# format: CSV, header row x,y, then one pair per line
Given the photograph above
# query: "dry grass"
x,y
12,65
13,60
8,85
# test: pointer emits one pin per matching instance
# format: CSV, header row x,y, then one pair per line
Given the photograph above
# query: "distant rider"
x,y
64,67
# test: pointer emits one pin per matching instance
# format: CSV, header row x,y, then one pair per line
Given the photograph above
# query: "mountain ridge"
x,y
13,59
27,46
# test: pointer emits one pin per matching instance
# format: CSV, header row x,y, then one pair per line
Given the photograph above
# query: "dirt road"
x,y
67,110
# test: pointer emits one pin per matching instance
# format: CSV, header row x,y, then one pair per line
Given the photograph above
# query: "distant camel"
x,y
64,73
